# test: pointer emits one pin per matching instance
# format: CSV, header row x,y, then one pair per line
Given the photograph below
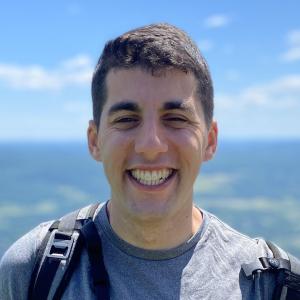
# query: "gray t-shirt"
x,y
208,266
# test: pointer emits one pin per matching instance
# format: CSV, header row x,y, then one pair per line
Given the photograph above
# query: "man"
x,y
152,128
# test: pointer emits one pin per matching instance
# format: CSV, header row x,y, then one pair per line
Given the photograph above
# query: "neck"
x,y
158,234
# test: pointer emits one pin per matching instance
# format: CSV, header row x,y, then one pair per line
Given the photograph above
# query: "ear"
x,y
212,141
93,143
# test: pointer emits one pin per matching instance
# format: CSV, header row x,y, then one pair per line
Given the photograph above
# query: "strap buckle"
x,y
61,245
264,263
251,268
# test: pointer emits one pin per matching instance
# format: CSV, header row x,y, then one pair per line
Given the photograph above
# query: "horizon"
x,y
220,140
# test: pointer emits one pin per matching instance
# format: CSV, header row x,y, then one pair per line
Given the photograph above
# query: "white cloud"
x,y
293,37
280,93
78,61
293,52
291,55
75,71
216,21
270,110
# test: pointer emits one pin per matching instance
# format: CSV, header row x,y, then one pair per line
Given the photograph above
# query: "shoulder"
x,y
18,261
236,244
231,250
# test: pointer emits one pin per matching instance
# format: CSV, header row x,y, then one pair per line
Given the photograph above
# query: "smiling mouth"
x,y
153,177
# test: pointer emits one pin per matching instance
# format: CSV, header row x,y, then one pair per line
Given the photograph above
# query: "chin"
x,y
150,210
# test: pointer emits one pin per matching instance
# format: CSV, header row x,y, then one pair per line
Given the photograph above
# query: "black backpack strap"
x,y
292,280
94,247
286,267
277,253
85,215
288,281
57,257
38,260
59,249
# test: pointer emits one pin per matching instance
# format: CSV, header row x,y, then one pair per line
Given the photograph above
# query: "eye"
x,y
125,122
176,121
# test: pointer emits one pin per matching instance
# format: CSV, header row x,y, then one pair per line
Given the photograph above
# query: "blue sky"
x,y
48,52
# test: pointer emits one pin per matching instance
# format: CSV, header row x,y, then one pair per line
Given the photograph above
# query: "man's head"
x,y
153,92
155,48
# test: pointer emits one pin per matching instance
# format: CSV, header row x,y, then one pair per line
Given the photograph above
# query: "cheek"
x,y
114,147
114,156
191,144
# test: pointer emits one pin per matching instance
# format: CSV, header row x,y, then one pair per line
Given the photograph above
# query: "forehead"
x,y
144,88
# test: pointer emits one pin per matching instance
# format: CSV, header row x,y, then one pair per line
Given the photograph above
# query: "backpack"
x,y
59,254
284,265
60,251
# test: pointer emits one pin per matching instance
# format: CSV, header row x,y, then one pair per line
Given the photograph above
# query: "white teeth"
x,y
151,177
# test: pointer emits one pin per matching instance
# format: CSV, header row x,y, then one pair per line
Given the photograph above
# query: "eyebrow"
x,y
177,104
130,106
133,107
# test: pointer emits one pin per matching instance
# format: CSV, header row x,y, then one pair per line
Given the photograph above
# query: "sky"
x,y
48,51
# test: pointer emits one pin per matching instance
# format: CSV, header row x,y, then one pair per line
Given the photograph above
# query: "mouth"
x,y
151,177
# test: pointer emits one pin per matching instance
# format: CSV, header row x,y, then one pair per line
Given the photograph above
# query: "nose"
x,y
150,140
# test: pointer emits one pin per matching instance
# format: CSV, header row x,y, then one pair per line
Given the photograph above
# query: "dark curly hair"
x,y
154,48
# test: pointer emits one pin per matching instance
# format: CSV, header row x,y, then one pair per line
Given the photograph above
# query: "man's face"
x,y
152,139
